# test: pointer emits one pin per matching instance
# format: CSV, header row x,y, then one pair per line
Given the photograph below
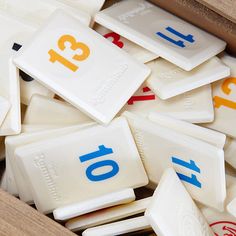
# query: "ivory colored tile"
x,y
108,215
4,108
168,80
198,164
161,32
37,11
222,223
224,96
140,53
89,6
194,106
29,86
172,211
105,201
102,75
47,111
207,135
86,167
119,228
230,152
14,142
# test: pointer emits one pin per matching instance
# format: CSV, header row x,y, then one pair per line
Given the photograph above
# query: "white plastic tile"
x,y
222,222
198,164
91,73
119,228
105,201
89,6
230,152
160,32
168,80
194,106
108,215
207,135
140,53
90,163
47,111
29,86
172,211
14,142
224,96
12,30
37,11
4,108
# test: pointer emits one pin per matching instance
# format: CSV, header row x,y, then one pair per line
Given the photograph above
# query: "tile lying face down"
x,y
172,211
168,80
108,215
47,111
119,227
194,106
105,201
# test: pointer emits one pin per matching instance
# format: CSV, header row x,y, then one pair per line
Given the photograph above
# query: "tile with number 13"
x,y
82,67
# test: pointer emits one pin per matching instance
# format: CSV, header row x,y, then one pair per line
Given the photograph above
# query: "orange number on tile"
x,y
219,101
74,45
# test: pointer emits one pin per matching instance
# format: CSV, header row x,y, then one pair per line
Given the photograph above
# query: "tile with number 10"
x,y
90,163
82,67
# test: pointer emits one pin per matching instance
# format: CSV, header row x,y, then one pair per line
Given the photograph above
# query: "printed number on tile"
x,y
225,87
91,170
75,46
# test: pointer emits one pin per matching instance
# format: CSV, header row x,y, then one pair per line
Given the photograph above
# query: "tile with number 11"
x,y
82,67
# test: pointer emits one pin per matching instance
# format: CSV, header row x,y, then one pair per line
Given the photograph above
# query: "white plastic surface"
x,y
14,142
89,6
230,152
4,108
194,106
111,199
98,81
37,12
119,228
108,215
224,96
172,211
90,163
161,32
140,53
199,164
207,135
47,111
168,80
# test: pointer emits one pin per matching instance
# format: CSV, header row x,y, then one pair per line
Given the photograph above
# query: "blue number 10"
x,y
102,151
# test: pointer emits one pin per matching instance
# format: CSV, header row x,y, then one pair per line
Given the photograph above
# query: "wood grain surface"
x,y
19,219
226,8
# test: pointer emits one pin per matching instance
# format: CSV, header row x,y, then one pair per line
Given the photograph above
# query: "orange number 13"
x,y
219,101
74,45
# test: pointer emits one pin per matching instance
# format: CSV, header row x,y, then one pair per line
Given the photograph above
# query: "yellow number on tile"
x,y
74,45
